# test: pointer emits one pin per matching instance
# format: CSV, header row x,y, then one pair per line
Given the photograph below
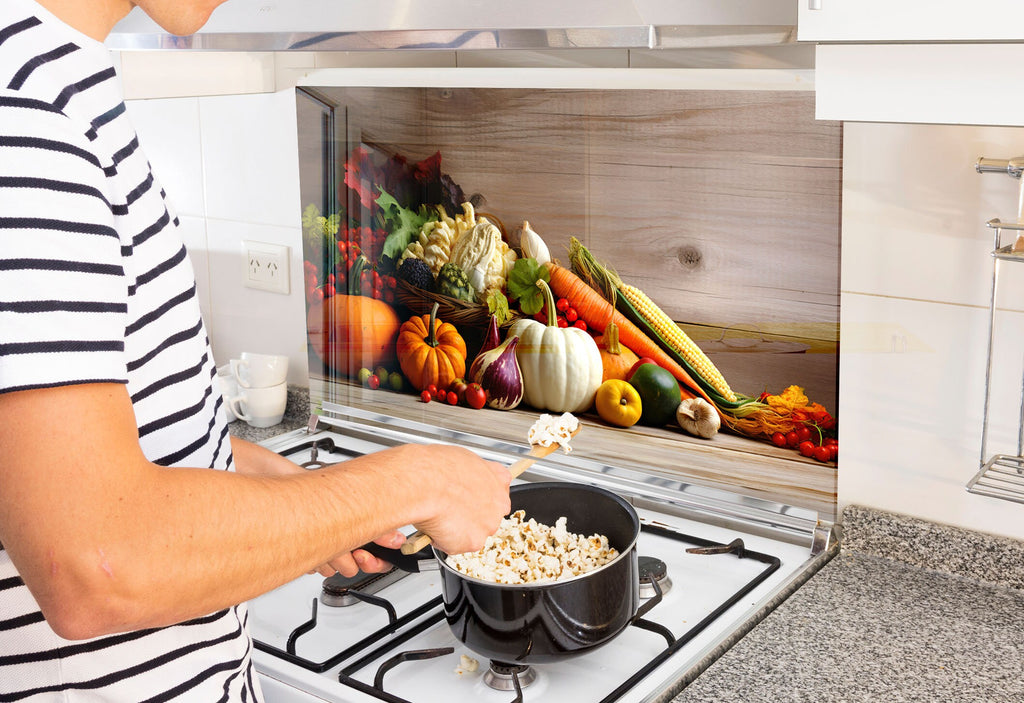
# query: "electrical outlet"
x,y
265,266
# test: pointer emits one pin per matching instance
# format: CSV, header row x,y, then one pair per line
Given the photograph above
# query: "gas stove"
x,y
712,565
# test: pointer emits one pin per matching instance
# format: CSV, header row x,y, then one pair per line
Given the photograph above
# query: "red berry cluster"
x,y
371,283
809,441
567,315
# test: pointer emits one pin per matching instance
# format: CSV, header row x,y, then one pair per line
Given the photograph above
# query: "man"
x,y
124,557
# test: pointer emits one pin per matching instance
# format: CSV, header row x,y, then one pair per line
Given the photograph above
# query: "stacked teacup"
x,y
262,388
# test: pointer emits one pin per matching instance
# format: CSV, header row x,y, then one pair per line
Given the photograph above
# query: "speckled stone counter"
x,y
296,415
908,611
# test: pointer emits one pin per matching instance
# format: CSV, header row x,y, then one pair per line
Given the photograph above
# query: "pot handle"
x,y
413,563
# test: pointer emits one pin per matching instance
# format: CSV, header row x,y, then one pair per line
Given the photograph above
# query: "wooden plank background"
x,y
723,206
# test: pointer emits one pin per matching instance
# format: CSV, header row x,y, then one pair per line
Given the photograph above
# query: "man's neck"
x,y
94,18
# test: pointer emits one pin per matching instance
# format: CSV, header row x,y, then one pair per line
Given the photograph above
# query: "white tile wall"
x,y
916,281
230,167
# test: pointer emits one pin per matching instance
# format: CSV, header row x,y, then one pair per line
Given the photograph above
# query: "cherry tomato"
x,y
476,396
453,398
580,324
571,315
779,439
562,322
440,396
822,453
425,396
792,438
431,389
561,305
458,386
803,433
833,451
807,447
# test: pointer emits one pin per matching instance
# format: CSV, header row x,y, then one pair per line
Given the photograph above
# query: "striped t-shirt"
x,y
96,287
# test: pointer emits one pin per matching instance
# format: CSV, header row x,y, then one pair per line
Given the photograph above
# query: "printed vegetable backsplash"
x,y
410,267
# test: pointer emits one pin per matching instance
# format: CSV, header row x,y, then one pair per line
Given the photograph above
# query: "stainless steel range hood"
x,y
358,25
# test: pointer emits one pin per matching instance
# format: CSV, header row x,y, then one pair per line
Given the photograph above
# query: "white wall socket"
x,y
265,266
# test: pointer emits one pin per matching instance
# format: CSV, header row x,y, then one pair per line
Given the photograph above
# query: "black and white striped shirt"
x,y
96,287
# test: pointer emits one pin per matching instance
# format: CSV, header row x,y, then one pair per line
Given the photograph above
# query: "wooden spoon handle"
x,y
418,540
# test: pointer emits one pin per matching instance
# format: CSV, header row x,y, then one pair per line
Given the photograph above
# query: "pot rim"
x,y
441,556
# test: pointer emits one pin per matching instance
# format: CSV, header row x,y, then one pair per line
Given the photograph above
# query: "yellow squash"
x,y
618,403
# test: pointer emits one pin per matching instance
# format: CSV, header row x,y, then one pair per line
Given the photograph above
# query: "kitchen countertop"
x,y
907,611
296,415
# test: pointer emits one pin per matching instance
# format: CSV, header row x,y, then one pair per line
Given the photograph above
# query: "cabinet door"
x,y
910,20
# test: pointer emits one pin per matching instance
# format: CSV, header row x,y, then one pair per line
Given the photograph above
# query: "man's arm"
x,y
253,459
107,541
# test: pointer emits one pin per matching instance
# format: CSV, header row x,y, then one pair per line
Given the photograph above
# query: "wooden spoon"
x,y
418,540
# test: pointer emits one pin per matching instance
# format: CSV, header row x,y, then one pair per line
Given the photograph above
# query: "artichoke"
x,y
452,281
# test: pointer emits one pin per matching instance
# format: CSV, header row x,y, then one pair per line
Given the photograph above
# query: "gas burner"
x,y
502,677
340,591
651,570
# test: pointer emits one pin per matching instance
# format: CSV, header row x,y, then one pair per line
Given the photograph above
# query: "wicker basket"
x,y
457,312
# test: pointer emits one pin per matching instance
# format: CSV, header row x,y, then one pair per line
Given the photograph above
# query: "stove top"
x,y
704,575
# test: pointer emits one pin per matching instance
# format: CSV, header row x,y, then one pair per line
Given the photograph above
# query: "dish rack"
x,y
1001,475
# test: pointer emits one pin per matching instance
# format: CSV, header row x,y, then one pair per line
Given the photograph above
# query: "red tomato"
x,y
803,433
792,438
562,323
425,396
807,447
431,389
779,439
453,398
561,305
822,453
476,396
458,386
580,324
571,315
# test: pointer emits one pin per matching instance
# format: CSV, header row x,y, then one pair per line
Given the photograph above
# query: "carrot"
x,y
598,312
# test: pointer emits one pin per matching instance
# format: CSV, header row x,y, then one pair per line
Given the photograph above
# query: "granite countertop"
x,y
296,415
907,611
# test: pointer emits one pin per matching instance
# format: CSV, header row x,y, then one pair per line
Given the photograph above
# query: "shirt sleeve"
x,y
63,290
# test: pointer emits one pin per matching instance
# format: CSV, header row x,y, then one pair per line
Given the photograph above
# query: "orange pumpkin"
x,y
616,359
430,351
350,332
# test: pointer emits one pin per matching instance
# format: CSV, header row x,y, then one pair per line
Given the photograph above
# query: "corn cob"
x,y
675,337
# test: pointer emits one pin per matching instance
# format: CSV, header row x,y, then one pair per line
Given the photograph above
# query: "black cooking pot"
x,y
542,622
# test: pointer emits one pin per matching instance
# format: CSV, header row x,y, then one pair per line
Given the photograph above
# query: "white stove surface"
x,y
700,584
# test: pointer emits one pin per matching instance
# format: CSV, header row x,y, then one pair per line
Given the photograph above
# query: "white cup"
x,y
228,389
259,370
260,407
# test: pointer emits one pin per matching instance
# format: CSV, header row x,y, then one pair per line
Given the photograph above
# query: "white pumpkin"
x,y
561,366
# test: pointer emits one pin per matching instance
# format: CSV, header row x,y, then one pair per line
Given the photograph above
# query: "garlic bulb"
x,y
532,245
699,417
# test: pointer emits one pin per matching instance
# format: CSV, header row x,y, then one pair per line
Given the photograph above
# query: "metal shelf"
x,y
1001,475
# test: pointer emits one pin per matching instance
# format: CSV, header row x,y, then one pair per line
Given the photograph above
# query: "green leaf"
x,y
497,305
402,224
522,285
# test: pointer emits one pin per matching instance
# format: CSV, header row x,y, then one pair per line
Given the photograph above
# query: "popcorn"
x,y
525,551
548,430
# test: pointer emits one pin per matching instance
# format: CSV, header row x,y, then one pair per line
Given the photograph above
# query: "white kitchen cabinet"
x,y
935,61
910,21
